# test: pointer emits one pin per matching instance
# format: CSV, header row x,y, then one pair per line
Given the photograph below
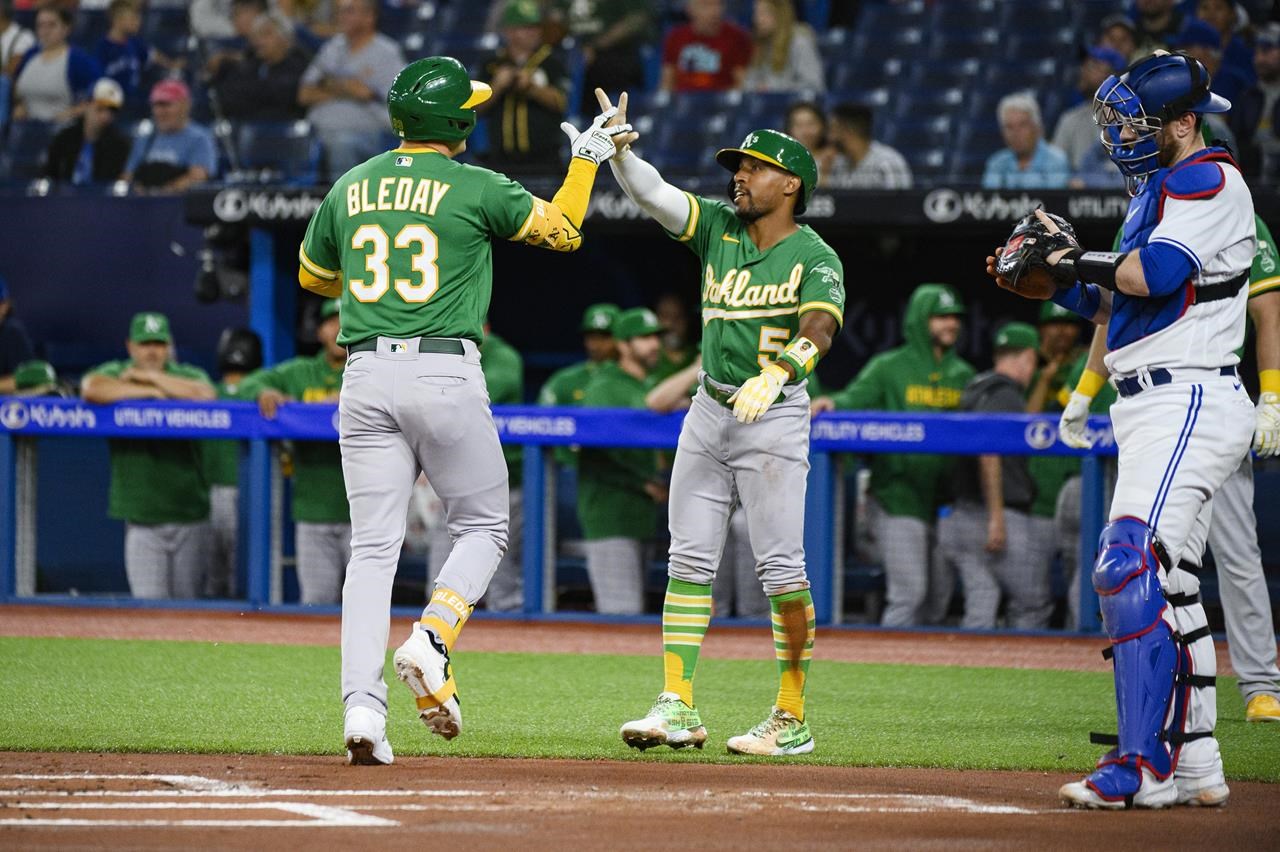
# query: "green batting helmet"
x,y
434,99
778,149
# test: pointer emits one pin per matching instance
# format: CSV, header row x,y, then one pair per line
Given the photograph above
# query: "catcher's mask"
x,y
1158,88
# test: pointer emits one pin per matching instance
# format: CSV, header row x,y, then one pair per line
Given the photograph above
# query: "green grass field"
x,y
188,697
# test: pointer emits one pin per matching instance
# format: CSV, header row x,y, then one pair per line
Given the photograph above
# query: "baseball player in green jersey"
x,y
1228,523
568,384
158,486
906,491
404,240
772,298
322,521
239,353
619,489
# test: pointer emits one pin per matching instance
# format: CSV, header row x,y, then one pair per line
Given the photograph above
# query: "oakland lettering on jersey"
x,y
735,290
421,195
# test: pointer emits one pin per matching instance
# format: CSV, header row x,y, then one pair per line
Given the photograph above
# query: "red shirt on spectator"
x,y
707,63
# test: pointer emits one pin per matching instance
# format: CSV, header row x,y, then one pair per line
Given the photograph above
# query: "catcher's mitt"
x,y
1024,261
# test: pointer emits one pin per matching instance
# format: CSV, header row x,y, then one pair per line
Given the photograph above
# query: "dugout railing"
x,y
539,430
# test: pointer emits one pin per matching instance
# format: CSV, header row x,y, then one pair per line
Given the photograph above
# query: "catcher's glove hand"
x,y
1024,265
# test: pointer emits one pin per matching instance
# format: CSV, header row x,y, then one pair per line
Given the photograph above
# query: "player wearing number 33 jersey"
x,y
772,298
404,240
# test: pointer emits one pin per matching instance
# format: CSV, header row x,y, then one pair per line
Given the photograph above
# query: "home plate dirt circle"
x,y
233,801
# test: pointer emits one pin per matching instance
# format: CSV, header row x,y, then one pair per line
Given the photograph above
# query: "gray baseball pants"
x,y
401,412
918,585
506,589
764,467
321,553
615,567
224,518
736,589
987,577
166,560
1246,604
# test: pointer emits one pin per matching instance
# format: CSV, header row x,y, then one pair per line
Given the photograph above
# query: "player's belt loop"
x,y
720,396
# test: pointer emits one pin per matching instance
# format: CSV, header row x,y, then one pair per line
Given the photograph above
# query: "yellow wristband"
x,y
1090,383
1269,381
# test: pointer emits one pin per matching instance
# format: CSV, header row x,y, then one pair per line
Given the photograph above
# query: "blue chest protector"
x,y
1198,176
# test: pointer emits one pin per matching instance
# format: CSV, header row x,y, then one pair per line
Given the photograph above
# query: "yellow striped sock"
x,y
686,612
793,631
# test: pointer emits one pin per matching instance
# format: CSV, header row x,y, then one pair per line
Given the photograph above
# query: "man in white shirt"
x,y
863,162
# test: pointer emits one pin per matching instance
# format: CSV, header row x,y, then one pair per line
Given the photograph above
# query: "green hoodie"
x,y
910,378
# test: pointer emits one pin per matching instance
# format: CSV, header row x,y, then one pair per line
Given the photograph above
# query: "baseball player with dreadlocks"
x,y
404,240
772,299
1173,299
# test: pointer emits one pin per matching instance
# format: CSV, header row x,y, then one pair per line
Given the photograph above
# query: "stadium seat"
x,y
944,73
279,151
1040,16
168,30
909,102
886,18
895,44
25,152
928,165
962,14
924,131
859,72
1017,74
981,42
89,26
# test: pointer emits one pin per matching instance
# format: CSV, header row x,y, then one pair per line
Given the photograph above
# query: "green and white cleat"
x,y
669,722
779,734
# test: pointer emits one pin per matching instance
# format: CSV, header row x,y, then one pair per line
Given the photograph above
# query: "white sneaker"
x,y
778,735
1151,793
425,669
365,731
1210,792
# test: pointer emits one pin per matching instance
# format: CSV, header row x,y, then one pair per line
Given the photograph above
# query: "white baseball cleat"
x,y
778,735
1210,792
1151,793
365,731
424,667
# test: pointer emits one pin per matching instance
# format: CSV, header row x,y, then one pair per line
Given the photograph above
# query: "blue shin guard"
x,y
1145,656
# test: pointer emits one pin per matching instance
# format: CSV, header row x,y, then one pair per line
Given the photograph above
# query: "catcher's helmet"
x,y
434,99
779,149
239,349
1158,88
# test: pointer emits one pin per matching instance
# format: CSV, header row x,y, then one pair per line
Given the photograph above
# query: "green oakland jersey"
x,y
319,492
409,233
1264,276
752,300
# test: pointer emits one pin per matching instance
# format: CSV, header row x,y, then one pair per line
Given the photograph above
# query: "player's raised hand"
x,y
596,143
624,141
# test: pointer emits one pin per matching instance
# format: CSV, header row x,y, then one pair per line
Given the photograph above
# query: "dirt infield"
x,y
234,802
543,637
65,800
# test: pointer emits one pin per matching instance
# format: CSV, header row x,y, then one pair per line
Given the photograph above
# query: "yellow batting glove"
x,y
753,399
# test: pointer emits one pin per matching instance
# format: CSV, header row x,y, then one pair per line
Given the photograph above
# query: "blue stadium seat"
x,y
89,26
768,108
695,107
167,29
25,152
944,73
885,18
1057,44
913,103
966,166
1086,15
1034,17
956,44
904,42
859,72
1000,78
877,97
285,151
928,165
963,14
929,132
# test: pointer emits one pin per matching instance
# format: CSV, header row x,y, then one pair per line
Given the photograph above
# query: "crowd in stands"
x,y
890,93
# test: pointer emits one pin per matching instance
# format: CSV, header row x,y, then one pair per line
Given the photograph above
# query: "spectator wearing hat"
x,y
53,78
568,385
530,84
158,485
1200,40
708,54
619,489
37,378
321,514
986,536
1118,33
862,162
263,85
178,153
610,35
1156,22
15,343
1255,114
1237,57
15,39
907,490
1077,133
1027,161
91,149
345,87
1060,348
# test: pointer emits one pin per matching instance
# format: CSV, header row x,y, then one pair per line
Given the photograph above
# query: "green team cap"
x,y
434,99
636,322
522,13
1017,335
947,303
149,327
1053,312
778,149
329,308
34,374
600,317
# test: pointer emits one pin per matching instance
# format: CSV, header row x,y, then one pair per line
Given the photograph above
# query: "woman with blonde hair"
x,y
786,57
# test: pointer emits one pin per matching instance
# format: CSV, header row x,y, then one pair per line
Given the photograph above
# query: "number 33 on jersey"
x,y
410,233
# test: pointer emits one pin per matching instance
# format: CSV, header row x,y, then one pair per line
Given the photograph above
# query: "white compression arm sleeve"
x,y
643,185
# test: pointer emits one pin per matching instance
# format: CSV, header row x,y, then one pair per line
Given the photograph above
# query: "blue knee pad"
x,y
1145,653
